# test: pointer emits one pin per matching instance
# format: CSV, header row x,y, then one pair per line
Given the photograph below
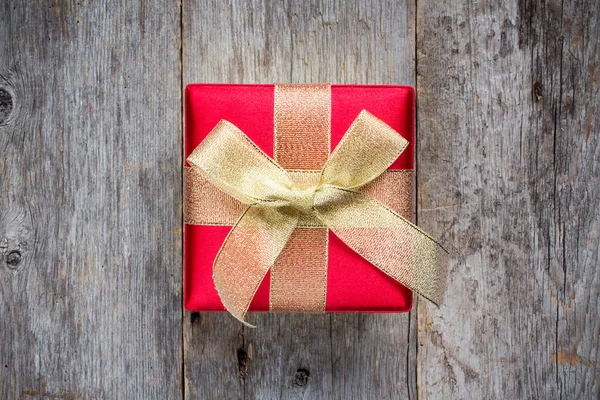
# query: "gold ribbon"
x,y
229,160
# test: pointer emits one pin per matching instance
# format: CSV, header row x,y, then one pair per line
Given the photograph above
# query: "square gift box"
x,y
352,284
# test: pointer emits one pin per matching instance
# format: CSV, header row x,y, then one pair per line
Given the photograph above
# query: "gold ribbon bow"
x,y
229,160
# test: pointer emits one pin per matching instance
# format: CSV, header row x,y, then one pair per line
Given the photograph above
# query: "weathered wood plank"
x,y
509,174
299,356
90,200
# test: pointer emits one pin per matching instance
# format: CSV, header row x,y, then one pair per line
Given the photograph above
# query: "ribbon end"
x,y
241,319
248,325
436,300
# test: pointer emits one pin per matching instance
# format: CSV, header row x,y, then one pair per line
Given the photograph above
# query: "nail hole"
x,y
538,91
301,378
195,318
13,259
6,104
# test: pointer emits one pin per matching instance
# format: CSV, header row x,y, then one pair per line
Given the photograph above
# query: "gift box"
x,y
298,126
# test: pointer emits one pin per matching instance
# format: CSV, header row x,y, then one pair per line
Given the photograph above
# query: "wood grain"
x,y
299,356
90,200
508,175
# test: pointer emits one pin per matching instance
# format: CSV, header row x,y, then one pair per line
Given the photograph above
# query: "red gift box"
x,y
353,284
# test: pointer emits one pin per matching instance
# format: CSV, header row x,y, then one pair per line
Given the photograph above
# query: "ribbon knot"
x,y
230,161
302,197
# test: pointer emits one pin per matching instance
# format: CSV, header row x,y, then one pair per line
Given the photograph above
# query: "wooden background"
x,y
91,212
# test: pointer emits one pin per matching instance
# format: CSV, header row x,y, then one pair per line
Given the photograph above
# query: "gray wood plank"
x,y
299,356
90,200
508,155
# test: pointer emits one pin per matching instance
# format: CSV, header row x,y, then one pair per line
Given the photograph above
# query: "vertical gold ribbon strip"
x,y
302,120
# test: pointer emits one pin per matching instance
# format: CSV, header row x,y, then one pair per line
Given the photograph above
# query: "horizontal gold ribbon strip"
x,y
204,204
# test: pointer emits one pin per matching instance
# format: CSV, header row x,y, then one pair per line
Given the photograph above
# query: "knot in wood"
x,y
6,104
13,259
301,378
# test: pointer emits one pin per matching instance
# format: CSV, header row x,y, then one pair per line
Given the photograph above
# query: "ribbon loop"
x,y
367,149
229,160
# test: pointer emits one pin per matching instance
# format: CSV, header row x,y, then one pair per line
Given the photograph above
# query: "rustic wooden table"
x,y
91,212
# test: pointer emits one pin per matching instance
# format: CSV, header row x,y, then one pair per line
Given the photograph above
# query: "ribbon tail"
x,y
385,239
250,249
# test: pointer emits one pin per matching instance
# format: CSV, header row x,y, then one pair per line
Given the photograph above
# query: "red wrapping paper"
x,y
353,284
